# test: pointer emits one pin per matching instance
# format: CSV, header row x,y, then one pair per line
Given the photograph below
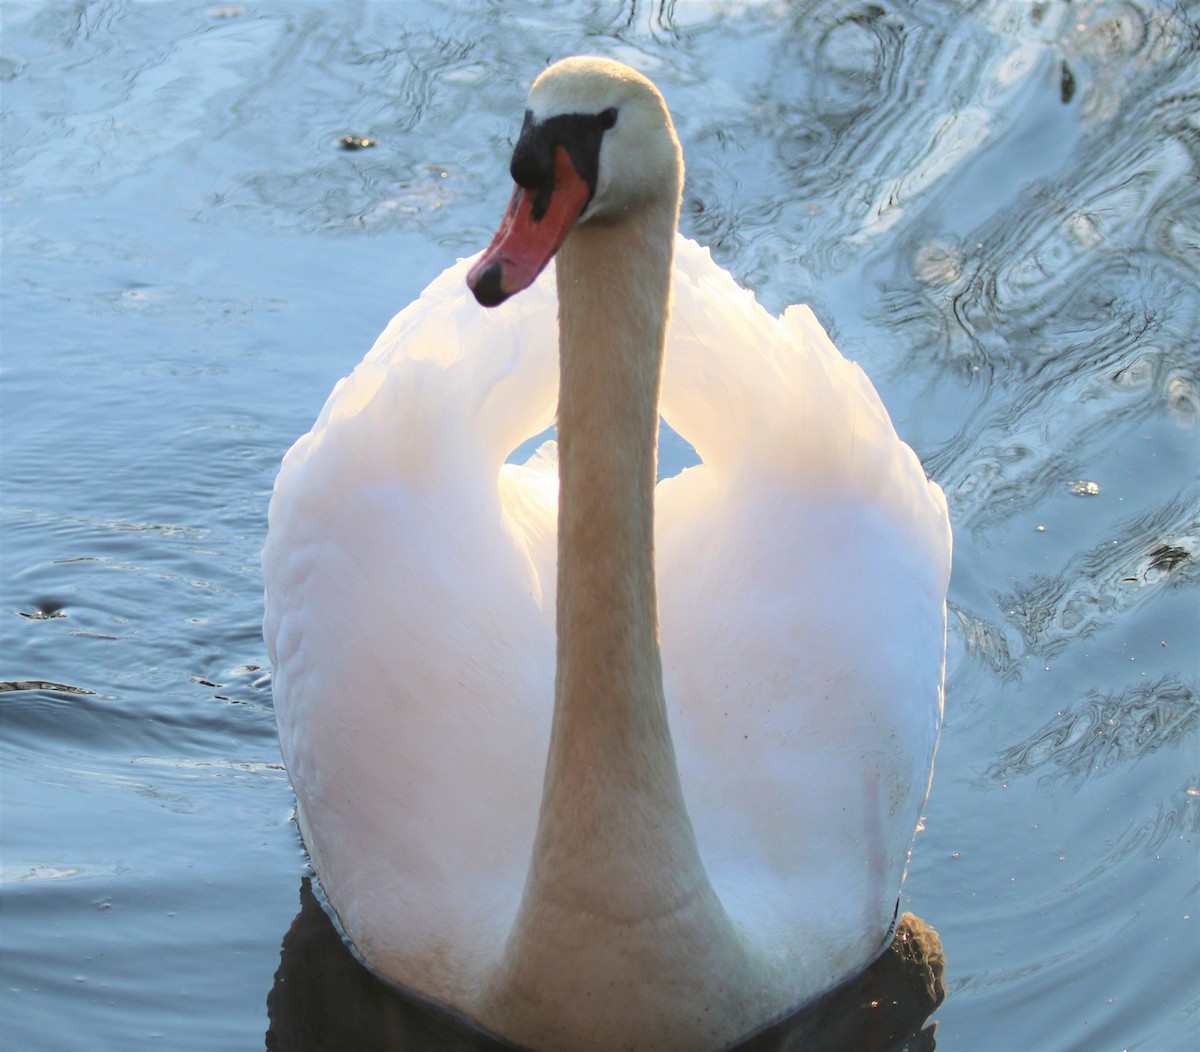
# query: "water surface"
x,y
994,206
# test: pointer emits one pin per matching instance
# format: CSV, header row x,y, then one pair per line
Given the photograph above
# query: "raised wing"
x,y
802,572
407,623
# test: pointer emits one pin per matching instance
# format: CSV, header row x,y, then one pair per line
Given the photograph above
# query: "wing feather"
x,y
407,622
802,572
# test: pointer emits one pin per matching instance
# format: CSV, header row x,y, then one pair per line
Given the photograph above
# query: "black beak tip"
x,y
487,286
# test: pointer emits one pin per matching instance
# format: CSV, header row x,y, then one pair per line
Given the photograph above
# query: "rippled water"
x,y
994,206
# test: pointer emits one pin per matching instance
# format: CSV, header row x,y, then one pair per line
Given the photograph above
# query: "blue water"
x,y
994,206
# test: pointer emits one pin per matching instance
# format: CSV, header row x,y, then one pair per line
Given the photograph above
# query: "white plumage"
x,y
802,572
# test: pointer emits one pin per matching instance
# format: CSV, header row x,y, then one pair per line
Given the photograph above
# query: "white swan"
x,y
585,849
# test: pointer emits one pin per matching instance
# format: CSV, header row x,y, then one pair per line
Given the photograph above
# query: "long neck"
x,y
613,832
612,317
617,906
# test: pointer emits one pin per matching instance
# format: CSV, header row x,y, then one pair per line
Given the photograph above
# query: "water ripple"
x,y
1105,731
1157,550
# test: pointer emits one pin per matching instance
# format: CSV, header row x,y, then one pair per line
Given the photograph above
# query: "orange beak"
x,y
531,232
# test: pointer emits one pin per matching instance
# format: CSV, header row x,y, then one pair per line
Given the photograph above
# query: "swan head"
x,y
597,146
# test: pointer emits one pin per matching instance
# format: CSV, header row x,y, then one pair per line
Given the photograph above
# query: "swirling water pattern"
x,y
993,205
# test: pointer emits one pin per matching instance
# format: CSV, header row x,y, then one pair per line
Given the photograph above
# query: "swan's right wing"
x,y
409,634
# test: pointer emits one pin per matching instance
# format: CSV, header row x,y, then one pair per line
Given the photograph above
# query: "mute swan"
x,y
574,840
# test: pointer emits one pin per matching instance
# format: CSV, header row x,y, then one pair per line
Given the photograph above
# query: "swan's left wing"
x,y
802,570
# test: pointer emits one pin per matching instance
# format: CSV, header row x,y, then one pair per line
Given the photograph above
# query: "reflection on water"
x,y
324,999
994,205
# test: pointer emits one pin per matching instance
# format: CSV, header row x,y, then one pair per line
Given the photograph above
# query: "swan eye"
x,y
607,119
